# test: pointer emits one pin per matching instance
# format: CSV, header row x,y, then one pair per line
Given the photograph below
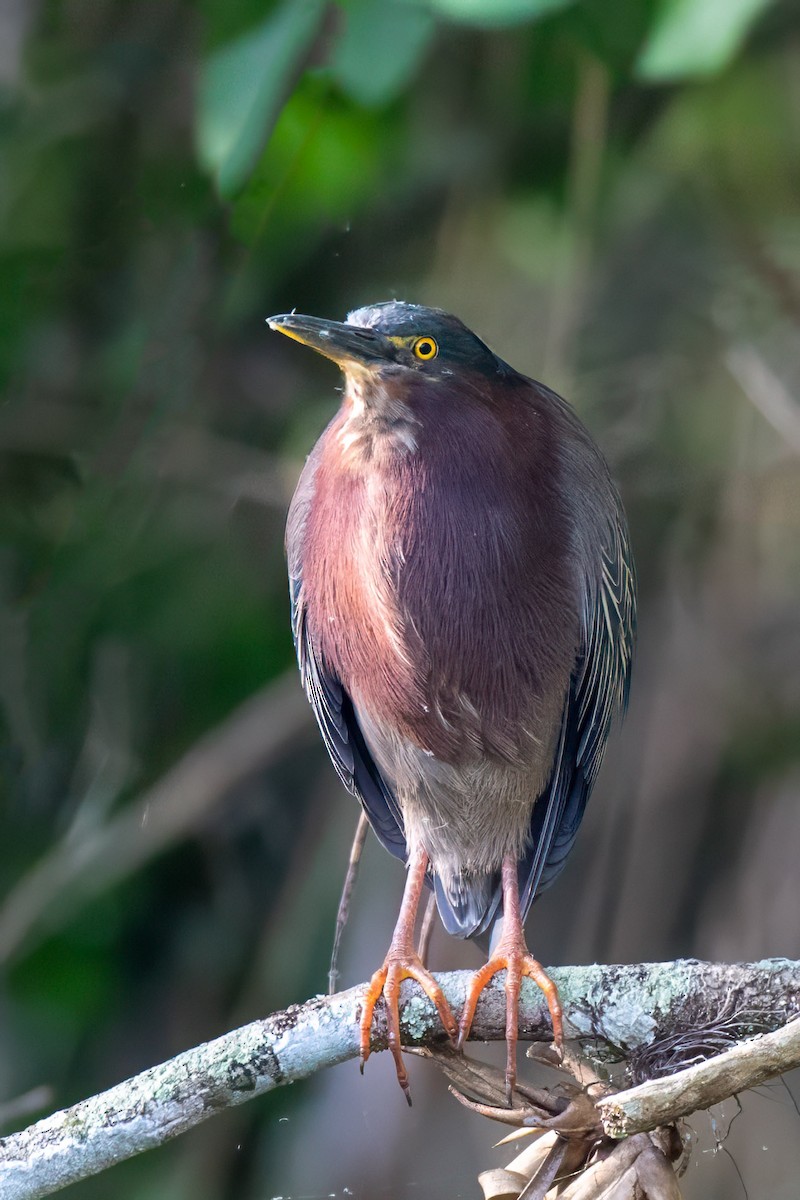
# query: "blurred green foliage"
x,y
609,194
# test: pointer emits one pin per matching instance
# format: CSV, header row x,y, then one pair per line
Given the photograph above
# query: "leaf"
x,y
324,161
696,37
243,85
380,48
496,12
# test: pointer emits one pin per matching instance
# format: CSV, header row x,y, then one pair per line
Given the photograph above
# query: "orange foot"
x,y
402,962
512,956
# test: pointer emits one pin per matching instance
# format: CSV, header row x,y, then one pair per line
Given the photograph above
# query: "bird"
x,y
463,606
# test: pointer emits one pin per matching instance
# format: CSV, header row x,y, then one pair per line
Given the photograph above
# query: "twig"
x,y
662,1101
75,869
359,837
766,392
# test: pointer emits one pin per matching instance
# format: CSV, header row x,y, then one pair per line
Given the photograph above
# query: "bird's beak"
x,y
345,344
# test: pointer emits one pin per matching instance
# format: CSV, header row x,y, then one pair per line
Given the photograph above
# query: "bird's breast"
x,y
440,596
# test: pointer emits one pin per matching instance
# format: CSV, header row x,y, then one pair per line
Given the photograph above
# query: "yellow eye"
x,y
425,348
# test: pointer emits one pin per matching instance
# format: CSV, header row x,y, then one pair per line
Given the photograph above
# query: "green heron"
x,y
463,609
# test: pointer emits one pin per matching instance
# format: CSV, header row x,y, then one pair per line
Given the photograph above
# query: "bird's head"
x,y
393,344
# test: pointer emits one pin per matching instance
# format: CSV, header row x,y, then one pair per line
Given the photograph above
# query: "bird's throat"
x,y
376,423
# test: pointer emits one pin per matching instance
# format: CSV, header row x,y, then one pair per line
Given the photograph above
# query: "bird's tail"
x,y
467,903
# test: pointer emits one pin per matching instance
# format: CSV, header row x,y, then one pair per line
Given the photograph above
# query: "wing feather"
x,y
341,733
598,692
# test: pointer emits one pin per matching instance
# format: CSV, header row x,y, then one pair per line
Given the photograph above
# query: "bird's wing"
x,y
598,691
338,723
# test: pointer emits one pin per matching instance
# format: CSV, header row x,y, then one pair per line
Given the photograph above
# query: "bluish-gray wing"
x,y
342,735
598,692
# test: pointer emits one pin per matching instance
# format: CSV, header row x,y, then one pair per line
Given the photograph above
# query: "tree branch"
x,y
626,1010
663,1101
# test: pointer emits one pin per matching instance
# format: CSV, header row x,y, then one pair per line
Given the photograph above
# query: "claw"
x,y
512,956
386,982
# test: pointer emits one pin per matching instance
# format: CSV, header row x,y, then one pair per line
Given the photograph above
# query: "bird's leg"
x,y
403,962
426,930
513,956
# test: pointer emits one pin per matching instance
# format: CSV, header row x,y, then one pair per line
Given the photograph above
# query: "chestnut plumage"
x,y
463,609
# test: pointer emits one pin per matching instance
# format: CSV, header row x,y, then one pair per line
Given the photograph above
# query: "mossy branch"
x,y
629,1011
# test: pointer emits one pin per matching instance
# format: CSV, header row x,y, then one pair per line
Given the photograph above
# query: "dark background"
x,y
609,193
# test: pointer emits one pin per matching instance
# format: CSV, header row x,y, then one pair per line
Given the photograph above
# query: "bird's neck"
x,y
376,424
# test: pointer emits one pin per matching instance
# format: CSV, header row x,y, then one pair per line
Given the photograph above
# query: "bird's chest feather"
x,y
439,602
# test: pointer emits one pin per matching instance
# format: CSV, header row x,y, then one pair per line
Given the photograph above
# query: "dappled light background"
x,y
609,194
